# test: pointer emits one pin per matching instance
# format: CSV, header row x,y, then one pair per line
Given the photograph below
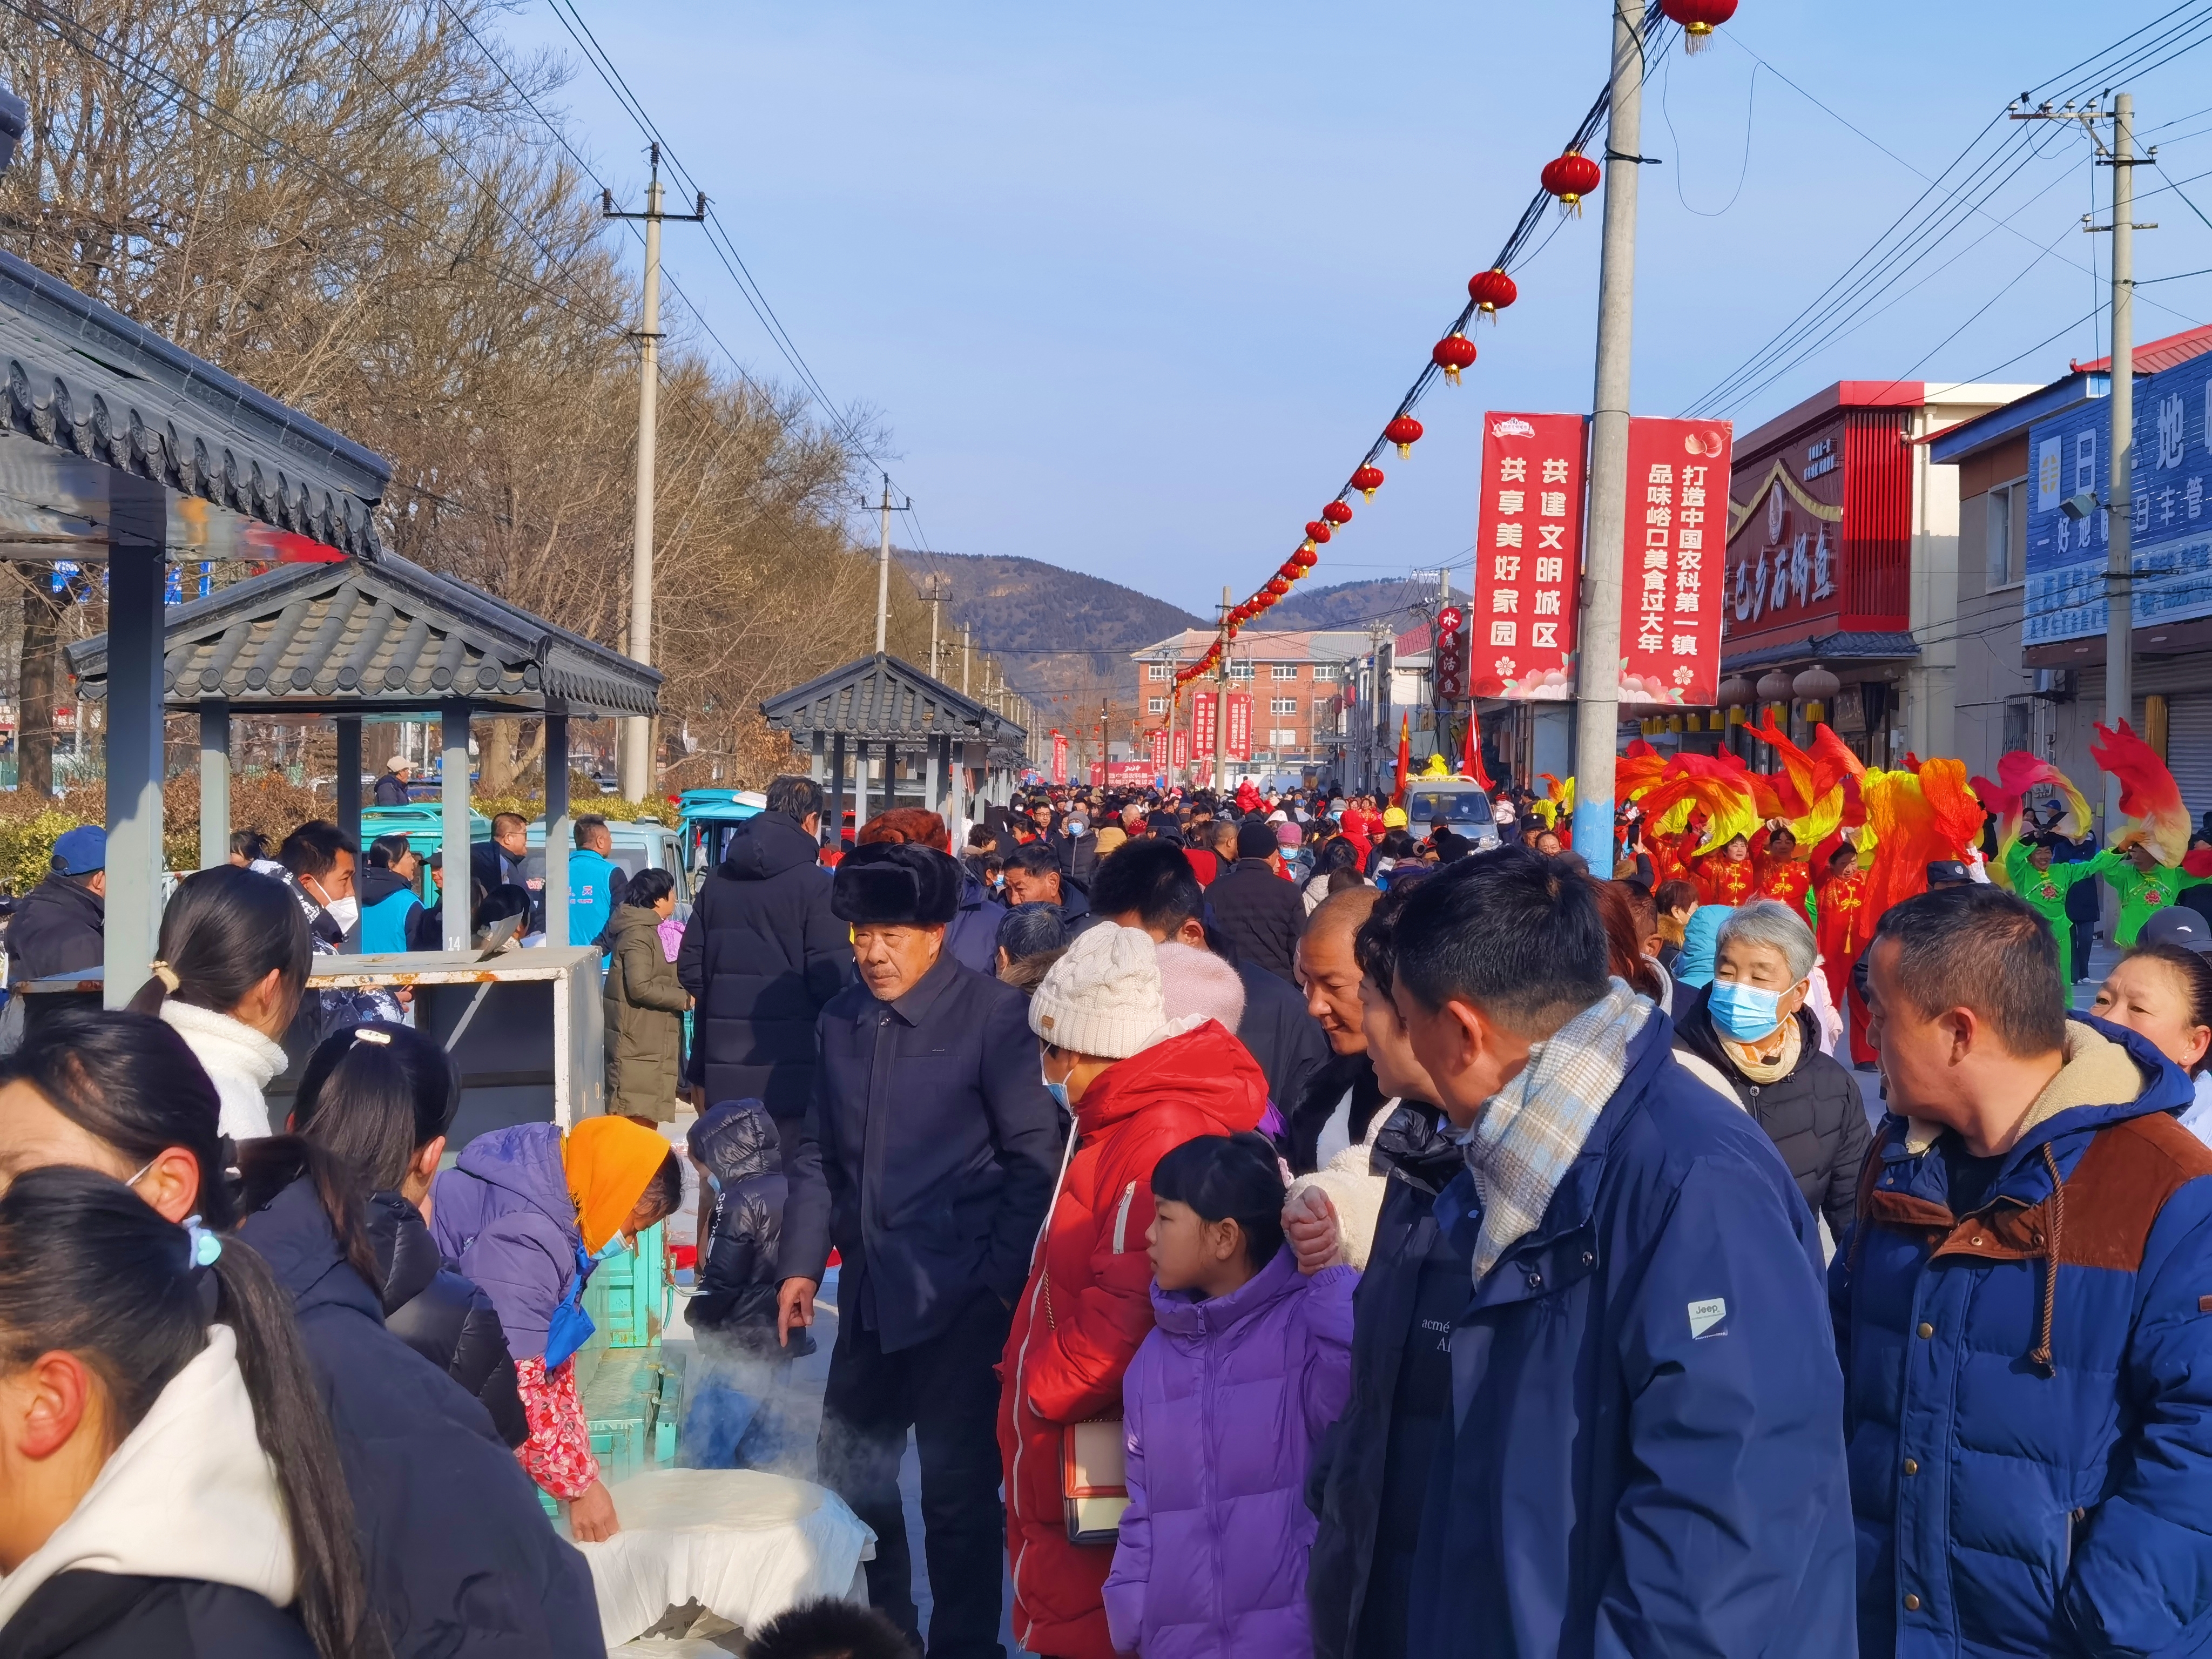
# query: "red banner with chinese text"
x,y
1203,707
1060,757
1240,725
1179,750
1528,559
1159,750
1673,564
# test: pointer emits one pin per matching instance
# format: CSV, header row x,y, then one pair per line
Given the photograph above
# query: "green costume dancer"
x,y
2045,885
2144,885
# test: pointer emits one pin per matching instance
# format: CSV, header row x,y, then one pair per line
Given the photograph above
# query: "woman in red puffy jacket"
x,y
1137,1087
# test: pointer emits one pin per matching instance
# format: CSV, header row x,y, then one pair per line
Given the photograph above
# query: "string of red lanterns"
x,y
1567,179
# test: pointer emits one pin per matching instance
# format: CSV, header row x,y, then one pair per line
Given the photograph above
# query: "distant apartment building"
x,y
1296,679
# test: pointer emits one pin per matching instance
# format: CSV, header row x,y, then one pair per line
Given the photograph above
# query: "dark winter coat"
x,y
460,1558
1646,1455
440,1315
764,956
1260,915
391,790
84,1614
58,928
1306,1114
928,1157
1350,1479
738,1269
643,1002
1815,1116
973,935
2028,1375
1282,1036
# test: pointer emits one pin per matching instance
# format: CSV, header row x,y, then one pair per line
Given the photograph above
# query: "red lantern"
x,y
1290,571
1699,18
1452,354
1367,480
1306,558
1277,587
1571,177
1338,514
1405,432
1317,530
1492,291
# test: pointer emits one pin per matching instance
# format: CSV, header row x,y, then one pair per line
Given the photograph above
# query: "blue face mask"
x,y
1746,1012
1057,1090
608,1251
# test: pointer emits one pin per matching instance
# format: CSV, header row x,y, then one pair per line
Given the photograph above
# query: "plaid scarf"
x,y
1530,1131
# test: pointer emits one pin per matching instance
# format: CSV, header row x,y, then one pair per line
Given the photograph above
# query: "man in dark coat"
x,y
392,784
1260,913
458,1556
1645,1449
60,927
1149,885
762,955
927,1159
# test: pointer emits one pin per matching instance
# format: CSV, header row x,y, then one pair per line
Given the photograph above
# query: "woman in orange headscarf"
x,y
528,1213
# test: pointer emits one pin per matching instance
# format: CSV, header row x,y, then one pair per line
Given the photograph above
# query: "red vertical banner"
x,y
1527,558
1060,757
1240,725
1203,707
1159,751
1671,584
1179,750
1098,775
1448,654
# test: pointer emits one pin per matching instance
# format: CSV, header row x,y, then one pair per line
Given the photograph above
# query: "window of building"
x,y
1284,737
2005,532
1283,706
1158,670
1286,670
1240,671
2019,724
1156,705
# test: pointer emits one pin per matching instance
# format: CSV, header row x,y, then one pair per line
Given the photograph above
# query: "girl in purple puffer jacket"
x,y
1248,1361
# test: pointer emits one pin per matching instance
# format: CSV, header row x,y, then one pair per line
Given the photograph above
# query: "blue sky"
x,y
1132,288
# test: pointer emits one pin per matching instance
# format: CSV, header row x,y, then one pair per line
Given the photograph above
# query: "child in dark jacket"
x,y
734,1384
1248,1361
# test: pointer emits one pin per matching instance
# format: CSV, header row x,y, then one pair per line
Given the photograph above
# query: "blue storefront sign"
x,y
2169,505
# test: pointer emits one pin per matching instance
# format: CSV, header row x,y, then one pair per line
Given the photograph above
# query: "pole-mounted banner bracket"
x,y
1642,160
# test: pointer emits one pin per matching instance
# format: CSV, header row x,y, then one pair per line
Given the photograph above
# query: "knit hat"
x,y
1290,835
1195,983
1103,997
1393,818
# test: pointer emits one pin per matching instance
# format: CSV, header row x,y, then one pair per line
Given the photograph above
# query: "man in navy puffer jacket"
x,y
2024,1312
1644,1457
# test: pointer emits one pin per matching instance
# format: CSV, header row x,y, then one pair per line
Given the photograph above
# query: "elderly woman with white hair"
x,y
1751,1031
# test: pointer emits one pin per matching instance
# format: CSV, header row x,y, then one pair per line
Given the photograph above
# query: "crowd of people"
x,y
1277,1230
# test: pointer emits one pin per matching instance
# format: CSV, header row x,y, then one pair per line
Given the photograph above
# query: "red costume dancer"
x,y
1783,874
1721,879
1844,928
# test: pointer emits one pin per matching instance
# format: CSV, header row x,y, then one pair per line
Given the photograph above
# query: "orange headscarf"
x,y
610,1162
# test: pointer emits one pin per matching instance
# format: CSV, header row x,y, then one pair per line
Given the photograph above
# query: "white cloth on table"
x,y
743,1544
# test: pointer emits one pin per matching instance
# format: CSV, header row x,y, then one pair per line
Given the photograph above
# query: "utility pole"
x,y
1221,707
963,660
884,567
936,588
1597,712
635,764
2119,488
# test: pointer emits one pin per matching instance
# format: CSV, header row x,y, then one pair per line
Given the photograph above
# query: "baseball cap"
x,y
400,763
1945,872
81,851
2176,924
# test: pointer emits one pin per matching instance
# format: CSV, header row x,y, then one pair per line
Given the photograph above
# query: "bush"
x,y
26,847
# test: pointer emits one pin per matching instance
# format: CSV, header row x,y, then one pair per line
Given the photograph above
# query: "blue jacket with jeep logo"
x,y
1646,1455
2029,1383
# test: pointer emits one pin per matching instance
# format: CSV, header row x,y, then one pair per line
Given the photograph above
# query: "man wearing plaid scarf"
x,y
1645,1452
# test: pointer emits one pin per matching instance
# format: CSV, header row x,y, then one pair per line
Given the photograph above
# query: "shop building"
x,y
1842,601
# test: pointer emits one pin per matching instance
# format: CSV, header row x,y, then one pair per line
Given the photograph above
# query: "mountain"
x,y
1354,604
1064,637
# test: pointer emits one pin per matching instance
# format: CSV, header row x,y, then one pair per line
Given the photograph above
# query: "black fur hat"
x,y
896,885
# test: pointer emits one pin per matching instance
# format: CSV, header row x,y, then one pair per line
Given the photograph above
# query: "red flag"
x,y
1405,757
1475,768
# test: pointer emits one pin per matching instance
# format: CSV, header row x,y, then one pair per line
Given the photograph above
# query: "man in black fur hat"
x,y
928,1158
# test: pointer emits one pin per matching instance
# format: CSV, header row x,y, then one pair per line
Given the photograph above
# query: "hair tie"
x,y
203,1246
370,1034
166,974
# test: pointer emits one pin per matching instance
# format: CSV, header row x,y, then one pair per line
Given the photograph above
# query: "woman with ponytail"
x,y
171,1484
459,1559
234,960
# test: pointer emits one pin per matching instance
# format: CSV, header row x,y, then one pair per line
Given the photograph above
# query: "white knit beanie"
x,y
1103,997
